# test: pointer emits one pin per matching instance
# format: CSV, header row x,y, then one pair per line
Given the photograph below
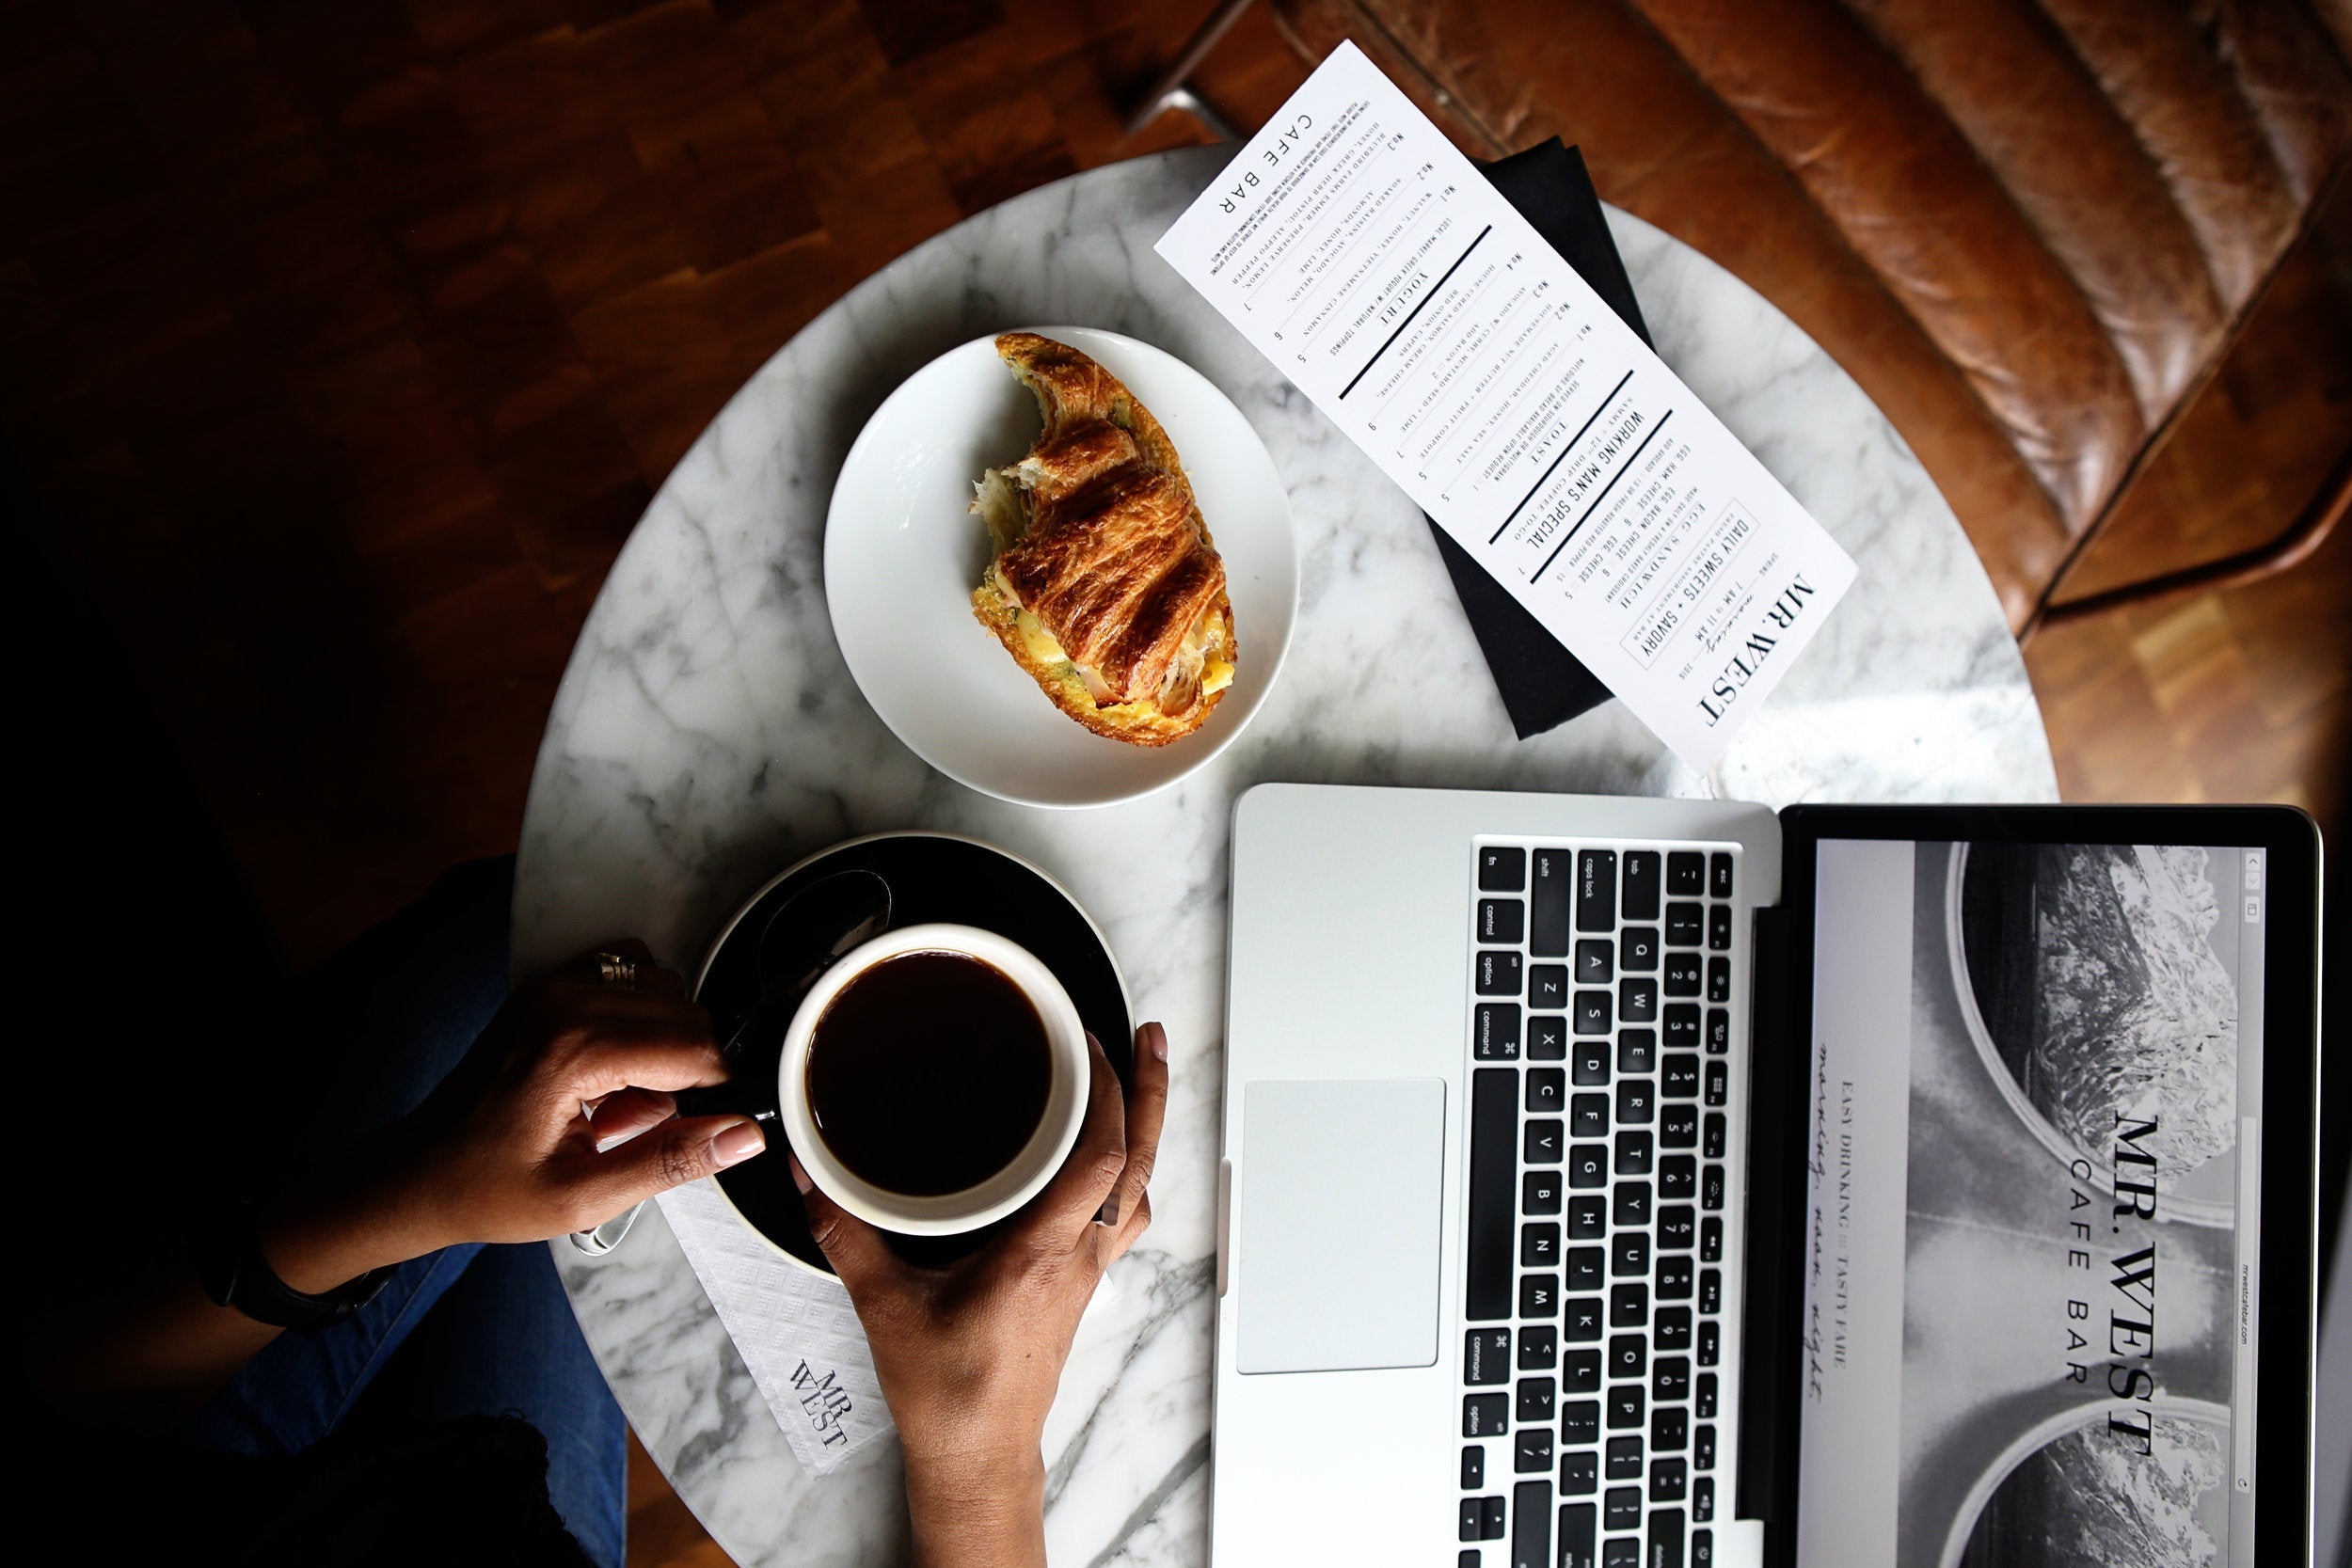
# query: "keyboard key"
x,y
1627,1354
1596,890
1704,1401
1702,1501
1595,961
1686,924
1623,1460
1673,1276
1466,1558
1540,1296
1579,1373
1547,985
1580,1423
1681,1024
1702,1549
1486,1356
1588,1117
1542,1143
1637,1050
1678,1127
1673,1329
1579,1475
1547,905
1591,1014
1669,1428
1678,1178
1485,1415
1581,1325
1718,1079
1643,868
1637,1001
1495,1034
1665,1526
1667,1478
1719,928
1535,1400
1531,1451
1629,1255
1473,1467
1473,1518
1718,1031
1621,1507
1670,1378
1686,873
1588,1165
1710,1291
1498,973
1678,1078
1539,1193
1492,1218
1682,975
1502,870
1546,1086
1710,1241
1711,1188
1719,979
1546,1037
1584,1219
1719,875
1577,1529
1676,1228
1502,921
1490,1522
1584,1269
1633,1153
1539,1247
1589,1062
1628,1306
1621,1551
1703,1449
1539,1348
1637,949
1629,1203
1710,1343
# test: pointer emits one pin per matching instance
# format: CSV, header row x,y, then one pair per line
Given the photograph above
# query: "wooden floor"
x,y
341,345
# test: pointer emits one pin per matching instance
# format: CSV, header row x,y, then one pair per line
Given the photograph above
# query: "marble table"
x,y
707,733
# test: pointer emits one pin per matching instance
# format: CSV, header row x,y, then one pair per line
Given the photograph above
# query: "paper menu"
x,y
1366,257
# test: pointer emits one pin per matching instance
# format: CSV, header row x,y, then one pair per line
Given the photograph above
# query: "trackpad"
x,y
1336,1261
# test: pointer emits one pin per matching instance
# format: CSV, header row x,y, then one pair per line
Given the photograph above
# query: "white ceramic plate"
x,y
903,553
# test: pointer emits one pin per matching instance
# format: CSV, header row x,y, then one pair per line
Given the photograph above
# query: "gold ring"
x,y
614,970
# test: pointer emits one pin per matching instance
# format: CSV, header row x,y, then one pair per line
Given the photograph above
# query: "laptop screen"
x,y
2033,1162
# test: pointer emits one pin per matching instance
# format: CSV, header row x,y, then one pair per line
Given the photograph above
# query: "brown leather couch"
x,y
2028,228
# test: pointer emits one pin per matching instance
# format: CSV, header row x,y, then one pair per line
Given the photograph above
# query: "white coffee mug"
x,y
1026,1174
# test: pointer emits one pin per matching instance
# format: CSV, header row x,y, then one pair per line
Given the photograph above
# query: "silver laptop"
x,y
1545,1237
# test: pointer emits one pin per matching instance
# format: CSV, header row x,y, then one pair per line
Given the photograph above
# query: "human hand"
x,y
560,1116
969,1355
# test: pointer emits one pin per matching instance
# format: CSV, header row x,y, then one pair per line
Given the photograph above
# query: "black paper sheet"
x,y
1543,684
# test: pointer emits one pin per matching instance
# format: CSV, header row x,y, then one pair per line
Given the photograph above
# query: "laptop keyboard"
x,y
1607,1053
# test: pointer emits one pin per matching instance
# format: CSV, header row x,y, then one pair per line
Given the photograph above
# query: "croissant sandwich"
x,y
1105,587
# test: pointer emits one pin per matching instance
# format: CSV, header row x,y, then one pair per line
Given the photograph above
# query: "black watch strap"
x,y
230,1266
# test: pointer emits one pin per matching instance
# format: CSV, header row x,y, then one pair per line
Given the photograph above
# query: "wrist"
x,y
369,1208
978,1508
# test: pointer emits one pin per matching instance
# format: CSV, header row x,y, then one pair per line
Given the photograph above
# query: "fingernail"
x,y
735,1144
1108,1213
1159,1041
800,1177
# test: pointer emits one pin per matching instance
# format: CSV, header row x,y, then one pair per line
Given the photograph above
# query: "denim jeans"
x,y
472,1330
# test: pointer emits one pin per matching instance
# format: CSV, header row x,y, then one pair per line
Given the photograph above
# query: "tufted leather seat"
x,y
2028,228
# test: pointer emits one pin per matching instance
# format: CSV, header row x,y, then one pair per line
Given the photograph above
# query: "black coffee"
x,y
928,1073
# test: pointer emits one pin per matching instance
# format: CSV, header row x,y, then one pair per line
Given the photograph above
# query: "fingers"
x,y
1112,1244
1076,1195
619,1053
627,1113
1146,1113
682,1150
649,978
854,1248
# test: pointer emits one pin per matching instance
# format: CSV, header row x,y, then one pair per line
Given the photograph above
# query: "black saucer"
x,y
931,876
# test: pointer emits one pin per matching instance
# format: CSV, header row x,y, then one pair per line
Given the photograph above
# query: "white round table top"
x,y
707,733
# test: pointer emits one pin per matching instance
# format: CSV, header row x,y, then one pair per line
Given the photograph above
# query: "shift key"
x,y
1579,1528
1531,1525
1548,901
